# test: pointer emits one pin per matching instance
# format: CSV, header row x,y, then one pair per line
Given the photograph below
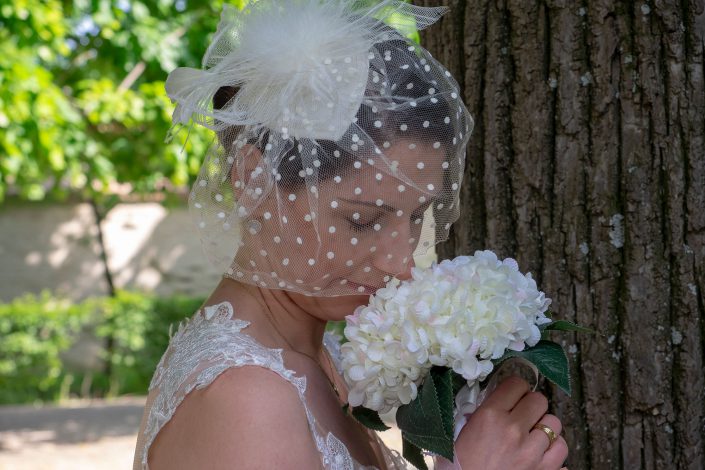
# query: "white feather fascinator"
x,y
340,144
301,65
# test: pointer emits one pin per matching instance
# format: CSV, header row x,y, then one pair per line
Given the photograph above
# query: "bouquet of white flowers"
x,y
427,345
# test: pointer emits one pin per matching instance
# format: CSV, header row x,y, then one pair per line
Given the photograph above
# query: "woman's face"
x,y
361,230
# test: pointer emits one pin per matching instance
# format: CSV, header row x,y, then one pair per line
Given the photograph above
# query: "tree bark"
x,y
587,165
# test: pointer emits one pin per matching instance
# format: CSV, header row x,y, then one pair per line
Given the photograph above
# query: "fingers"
x,y
538,439
530,409
508,393
555,455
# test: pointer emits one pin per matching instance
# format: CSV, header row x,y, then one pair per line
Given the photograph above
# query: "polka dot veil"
x,y
339,148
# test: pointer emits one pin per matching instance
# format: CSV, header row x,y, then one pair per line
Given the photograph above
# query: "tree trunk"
x,y
587,165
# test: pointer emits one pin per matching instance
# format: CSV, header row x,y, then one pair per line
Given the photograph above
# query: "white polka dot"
x,y
336,153
355,138
285,220
454,186
400,213
354,147
299,281
447,120
357,165
417,221
378,124
198,205
292,197
299,241
277,239
358,191
373,249
386,278
378,176
412,146
386,144
282,284
334,204
349,262
311,261
367,269
422,199
337,179
330,255
412,240
331,229
454,95
202,224
285,261
263,252
316,163
377,227
202,183
440,206
353,241
379,202
445,165
343,282
420,165
356,215
436,145
430,187
426,123
307,217
221,215
403,127
401,188
219,197
361,289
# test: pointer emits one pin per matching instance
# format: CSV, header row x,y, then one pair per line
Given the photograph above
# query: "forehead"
x,y
406,169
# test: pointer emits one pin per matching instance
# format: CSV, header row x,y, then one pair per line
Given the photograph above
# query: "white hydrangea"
x,y
460,313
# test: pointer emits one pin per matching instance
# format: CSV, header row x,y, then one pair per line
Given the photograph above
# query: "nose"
x,y
394,251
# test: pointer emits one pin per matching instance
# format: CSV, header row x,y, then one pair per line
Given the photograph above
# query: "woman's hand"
x,y
499,434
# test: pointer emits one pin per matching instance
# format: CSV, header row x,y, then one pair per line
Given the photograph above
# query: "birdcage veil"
x,y
337,140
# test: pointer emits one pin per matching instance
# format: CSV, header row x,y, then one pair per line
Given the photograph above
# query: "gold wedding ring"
x,y
552,436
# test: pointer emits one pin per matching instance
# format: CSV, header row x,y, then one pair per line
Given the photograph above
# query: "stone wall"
x,y
55,247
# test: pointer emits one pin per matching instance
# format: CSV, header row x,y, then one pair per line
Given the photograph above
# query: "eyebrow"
x,y
386,207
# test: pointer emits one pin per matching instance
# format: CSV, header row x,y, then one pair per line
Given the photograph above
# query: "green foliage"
x,y
427,422
550,360
37,331
82,103
34,331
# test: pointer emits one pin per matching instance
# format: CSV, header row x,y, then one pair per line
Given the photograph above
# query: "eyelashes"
x,y
359,226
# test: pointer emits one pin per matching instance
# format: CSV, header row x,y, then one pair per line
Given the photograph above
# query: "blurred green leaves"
x,y
82,102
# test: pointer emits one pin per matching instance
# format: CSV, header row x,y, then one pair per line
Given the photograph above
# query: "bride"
x,y
339,156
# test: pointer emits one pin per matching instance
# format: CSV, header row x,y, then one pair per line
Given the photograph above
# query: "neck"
x,y
292,318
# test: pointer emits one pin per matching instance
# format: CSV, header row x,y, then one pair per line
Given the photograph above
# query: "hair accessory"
x,y
340,144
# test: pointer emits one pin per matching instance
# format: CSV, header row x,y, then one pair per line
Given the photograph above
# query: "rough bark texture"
x,y
587,164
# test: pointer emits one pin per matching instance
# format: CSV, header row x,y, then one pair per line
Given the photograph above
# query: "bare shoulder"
x,y
248,418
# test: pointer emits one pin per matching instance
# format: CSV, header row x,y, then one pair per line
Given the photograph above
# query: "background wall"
x,y
56,246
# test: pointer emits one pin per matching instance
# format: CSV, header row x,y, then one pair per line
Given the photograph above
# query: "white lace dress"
x,y
205,347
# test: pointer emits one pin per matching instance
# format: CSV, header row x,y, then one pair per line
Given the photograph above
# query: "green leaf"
x,y
443,380
549,358
413,454
369,418
421,422
565,325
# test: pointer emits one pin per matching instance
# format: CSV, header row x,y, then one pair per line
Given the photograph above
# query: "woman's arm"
x,y
248,418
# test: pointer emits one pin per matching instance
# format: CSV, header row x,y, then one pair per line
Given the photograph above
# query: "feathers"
x,y
301,66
